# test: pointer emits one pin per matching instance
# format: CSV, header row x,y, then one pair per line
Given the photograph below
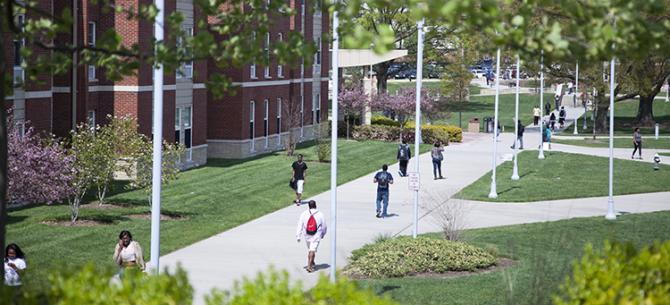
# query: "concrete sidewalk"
x,y
218,261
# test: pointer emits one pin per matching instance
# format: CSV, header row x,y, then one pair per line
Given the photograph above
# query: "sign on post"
x,y
414,181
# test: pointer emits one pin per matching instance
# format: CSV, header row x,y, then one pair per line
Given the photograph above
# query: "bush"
x,y
619,275
322,149
455,133
382,120
405,256
377,132
274,288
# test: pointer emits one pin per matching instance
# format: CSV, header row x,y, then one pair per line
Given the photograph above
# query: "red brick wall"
x,y
38,112
199,129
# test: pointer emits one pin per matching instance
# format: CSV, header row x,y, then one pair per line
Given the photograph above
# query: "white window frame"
x,y
266,122
19,75
252,67
252,125
266,54
280,67
318,6
21,126
279,109
91,34
91,73
317,55
317,109
90,119
185,68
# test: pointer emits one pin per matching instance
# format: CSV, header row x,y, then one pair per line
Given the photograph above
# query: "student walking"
x,y
15,265
403,156
536,115
637,143
561,117
311,227
547,136
552,121
436,154
519,135
547,108
298,177
383,180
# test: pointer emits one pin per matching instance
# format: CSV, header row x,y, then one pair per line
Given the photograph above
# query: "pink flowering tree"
x,y
39,170
403,104
352,101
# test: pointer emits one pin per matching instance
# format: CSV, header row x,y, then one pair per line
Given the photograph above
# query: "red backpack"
x,y
311,225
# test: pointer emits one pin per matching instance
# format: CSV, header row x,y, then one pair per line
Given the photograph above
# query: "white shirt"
x,y
12,278
302,226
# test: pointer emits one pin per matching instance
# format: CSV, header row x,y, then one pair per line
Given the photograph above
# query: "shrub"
x,y
455,133
382,120
619,275
405,256
274,288
322,149
376,132
429,133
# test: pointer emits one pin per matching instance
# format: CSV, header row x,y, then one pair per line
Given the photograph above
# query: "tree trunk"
x,y
645,112
102,190
382,76
3,146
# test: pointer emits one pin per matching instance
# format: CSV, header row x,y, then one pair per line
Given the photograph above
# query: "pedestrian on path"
x,y
561,117
383,180
637,143
536,115
128,253
519,135
547,137
15,265
436,154
311,227
403,156
552,121
298,177
547,108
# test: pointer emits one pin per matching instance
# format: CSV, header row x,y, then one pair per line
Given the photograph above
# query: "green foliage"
x,y
322,149
275,288
619,275
405,256
429,133
382,120
377,132
170,166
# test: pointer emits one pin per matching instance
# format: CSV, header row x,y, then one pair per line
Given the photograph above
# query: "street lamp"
x,y
577,95
494,194
333,143
610,201
417,119
541,153
515,171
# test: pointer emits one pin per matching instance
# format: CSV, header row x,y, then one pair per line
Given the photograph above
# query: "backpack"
x,y
311,225
403,152
383,180
562,113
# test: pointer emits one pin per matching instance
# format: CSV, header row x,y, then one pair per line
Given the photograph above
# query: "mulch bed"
x,y
78,223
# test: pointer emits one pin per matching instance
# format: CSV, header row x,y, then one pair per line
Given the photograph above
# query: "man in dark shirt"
x,y
383,180
298,176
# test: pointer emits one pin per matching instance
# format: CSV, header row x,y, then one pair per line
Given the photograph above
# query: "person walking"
x,y
403,156
536,115
637,143
436,154
547,135
561,117
383,180
552,121
15,265
547,108
519,135
128,254
298,176
311,227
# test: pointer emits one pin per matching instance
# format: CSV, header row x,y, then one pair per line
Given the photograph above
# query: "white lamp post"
x,y
541,153
610,201
157,145
515,171
417,119
333,144
577,95
494,194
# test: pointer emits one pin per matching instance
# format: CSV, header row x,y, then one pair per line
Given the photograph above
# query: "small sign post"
x,y
414,181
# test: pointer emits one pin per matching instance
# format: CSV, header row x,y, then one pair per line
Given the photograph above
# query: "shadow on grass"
x,y
508,190
15,219
387,288
99,218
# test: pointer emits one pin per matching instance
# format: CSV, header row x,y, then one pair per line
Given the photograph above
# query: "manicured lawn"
x,y
624,117
543,252
392,87
214,198
664,154
564,175
647,142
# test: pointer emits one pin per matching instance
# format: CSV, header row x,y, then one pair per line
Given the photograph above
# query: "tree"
x,y
142,176
403,104
292,118
84,150
352,101
40,171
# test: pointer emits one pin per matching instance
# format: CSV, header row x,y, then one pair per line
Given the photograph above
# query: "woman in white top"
x,y
128,253
15,265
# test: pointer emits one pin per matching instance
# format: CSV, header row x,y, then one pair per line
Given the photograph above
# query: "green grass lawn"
x,y
564,175
392,87
543,254
624,117
213,198
647,142
664,154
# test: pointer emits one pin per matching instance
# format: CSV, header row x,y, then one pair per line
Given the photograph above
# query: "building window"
x,y
317,109
302,115
266,122
183,120
91,73
90,119
266,54
302,9
279,101
19,75
317,55
20,126
317,7
280,68
90,40
186,68
252,113
252,67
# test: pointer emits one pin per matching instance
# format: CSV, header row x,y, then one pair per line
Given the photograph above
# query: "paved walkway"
x,y
269,241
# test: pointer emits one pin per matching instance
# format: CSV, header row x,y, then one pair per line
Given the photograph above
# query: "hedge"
x,y
404,256
382,120
429,133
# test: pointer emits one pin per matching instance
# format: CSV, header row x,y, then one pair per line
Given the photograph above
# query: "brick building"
x,y
247,122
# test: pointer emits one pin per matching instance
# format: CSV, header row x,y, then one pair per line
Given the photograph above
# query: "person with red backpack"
x,y
312,227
